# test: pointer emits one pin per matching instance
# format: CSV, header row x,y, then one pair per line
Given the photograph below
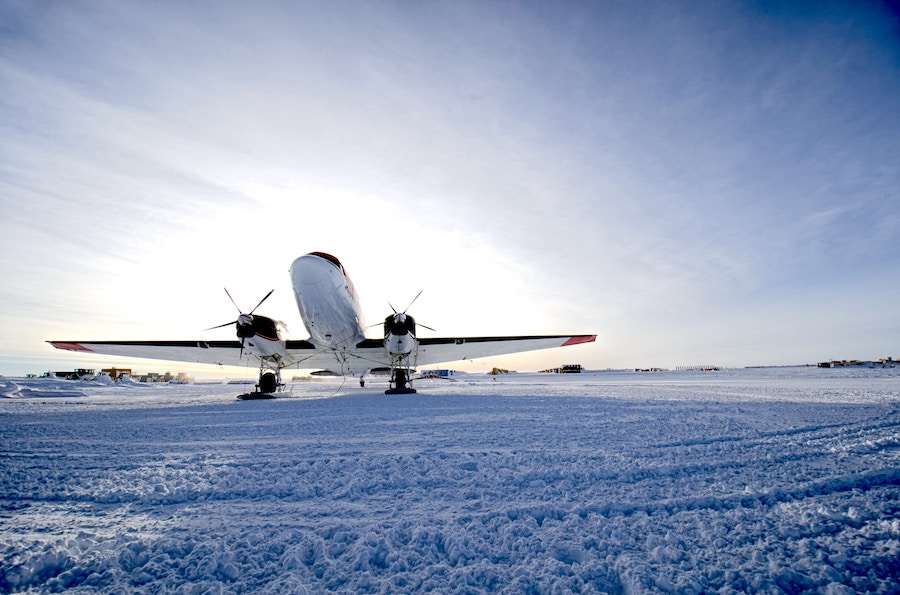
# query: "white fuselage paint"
x,y
400,344
264,346
327,302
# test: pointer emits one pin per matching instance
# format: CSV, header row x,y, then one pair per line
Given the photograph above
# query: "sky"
x,y
695,182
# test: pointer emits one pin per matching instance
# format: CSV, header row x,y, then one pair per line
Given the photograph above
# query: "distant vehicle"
x,y
77,374
330,309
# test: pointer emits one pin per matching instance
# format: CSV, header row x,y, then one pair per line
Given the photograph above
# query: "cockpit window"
x,y
330,259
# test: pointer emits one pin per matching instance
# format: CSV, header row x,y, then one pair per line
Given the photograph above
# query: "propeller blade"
x,y
261,301
399,317
412,302
221,325
232,300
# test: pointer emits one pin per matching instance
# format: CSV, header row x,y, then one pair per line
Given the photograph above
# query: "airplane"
x,y
330,310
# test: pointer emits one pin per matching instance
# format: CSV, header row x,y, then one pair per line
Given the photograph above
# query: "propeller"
x,y
410,304
400,317
244,322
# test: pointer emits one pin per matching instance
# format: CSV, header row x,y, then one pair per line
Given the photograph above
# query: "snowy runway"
x,y
751,480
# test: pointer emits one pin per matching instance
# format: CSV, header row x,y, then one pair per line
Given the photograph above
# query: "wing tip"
x,y
69,346
579,339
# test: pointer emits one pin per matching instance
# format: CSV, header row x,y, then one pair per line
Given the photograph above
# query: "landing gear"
x,y
269,384
400,382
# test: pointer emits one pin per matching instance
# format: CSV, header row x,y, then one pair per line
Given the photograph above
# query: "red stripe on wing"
x,y
70,346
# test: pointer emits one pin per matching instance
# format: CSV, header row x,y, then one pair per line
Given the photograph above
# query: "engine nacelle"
x,y
249,326
400,334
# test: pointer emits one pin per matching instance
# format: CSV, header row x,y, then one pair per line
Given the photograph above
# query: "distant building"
x,y
156,377
885,362
117,373
564,369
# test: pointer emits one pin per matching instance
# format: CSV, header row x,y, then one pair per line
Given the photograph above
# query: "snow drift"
x,y
745,481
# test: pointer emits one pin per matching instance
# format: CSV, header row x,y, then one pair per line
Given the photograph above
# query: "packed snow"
x,y
769,480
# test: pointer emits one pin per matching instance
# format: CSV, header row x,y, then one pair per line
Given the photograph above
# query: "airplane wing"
x,y
228,353
435,351
200,352
304,355
451,349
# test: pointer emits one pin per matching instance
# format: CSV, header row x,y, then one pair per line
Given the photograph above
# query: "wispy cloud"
x,y
619,168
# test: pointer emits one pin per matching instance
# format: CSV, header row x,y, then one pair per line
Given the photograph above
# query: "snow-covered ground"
x,y
770,480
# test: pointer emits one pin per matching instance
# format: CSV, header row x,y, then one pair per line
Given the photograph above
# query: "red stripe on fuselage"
x,y
261,336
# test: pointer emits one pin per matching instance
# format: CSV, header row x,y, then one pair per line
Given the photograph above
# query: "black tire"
x,y
267,383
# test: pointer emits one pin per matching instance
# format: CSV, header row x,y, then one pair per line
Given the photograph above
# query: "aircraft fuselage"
x,y
327,301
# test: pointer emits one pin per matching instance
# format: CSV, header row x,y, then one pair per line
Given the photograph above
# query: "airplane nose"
x,y
309,270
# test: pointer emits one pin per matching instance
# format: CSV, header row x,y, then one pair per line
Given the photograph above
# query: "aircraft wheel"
x,y
267,383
